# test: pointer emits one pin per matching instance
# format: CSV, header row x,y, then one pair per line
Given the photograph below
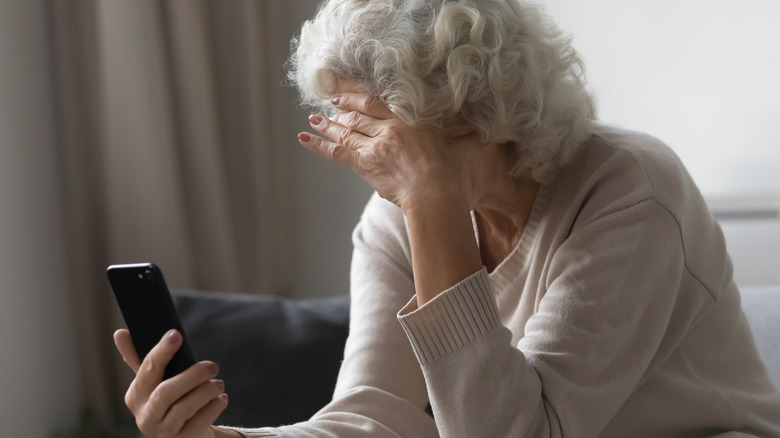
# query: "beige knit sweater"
x,y
615,316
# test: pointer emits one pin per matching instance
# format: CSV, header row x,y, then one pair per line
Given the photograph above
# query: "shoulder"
x,y
618,168
643,154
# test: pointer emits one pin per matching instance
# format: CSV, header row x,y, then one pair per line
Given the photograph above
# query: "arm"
x,y
380,391
444,250
600,329
611,314
424,170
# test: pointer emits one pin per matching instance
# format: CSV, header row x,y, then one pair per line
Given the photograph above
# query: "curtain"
x,y
173,122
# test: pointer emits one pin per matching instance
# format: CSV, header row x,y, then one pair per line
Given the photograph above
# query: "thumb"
x,y
124,343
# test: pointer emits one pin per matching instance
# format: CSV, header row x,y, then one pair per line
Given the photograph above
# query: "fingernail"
x,y
221,385
335,99
315,119
212,368
172,336
224,396
304,137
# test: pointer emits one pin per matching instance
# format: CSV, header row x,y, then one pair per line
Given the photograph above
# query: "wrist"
x,y
443,245
434,197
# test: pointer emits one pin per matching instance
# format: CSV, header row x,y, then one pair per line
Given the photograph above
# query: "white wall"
x,y
38,371
703,77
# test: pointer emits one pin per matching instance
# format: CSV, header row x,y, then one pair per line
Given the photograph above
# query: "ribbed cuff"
x,y
452,320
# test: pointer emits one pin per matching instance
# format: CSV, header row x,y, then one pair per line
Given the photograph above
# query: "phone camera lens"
x,y
149,275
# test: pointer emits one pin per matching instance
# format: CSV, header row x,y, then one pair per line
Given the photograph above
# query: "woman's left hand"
x,y
407,165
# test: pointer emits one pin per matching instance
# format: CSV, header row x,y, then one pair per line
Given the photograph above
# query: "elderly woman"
x,y
523,271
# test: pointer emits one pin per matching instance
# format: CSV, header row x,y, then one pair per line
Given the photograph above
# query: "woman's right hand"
x,y
183,406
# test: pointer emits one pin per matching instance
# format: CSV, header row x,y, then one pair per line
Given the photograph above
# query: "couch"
x,y
280,357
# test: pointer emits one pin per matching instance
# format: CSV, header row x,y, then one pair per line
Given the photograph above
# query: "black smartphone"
x,y
148,311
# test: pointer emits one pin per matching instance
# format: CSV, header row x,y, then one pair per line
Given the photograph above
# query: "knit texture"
x,y
615,315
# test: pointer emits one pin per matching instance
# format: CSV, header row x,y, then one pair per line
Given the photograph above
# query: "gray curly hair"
x,y
501,65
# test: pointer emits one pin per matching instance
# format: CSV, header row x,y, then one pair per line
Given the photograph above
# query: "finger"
x,y
171,390
358,122
337,133
186,407
124,343
206,416
152,368
364,103
328,149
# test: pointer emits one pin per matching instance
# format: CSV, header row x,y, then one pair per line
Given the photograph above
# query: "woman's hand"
x,y
407,165
432,173
183,406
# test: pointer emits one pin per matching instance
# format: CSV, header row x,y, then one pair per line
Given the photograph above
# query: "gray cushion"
x,y
279,358
762,308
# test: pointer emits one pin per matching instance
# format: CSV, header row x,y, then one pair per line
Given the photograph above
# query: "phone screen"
x,y
148,311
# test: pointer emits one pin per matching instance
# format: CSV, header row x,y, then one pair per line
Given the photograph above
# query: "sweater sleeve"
x,y
380,390
603,323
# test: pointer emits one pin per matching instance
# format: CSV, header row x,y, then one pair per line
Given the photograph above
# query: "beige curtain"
x,y
172,121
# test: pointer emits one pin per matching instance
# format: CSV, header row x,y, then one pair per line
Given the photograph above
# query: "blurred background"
x,y
161,130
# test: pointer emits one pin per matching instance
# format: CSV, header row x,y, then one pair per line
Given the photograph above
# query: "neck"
x,y
503,212
501,204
